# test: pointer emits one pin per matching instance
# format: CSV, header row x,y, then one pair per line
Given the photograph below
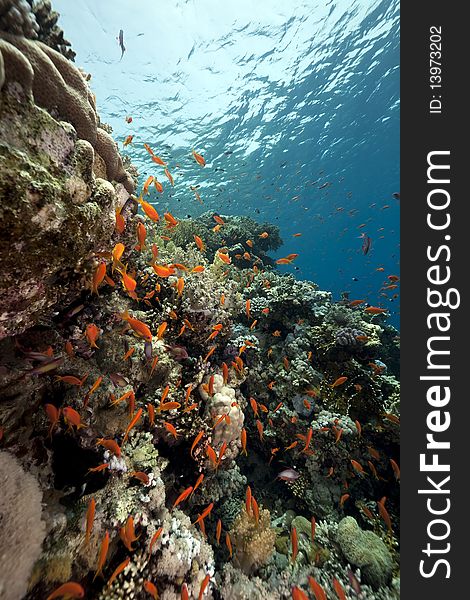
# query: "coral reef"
x,y
181,408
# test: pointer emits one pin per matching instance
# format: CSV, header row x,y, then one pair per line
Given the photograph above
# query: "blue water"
x,y
281,97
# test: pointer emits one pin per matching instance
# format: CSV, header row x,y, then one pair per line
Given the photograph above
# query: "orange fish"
x,y
102,557
375,310
224,257
161,330
170,219
264,235
298,594
151,589
204,584
254,406
396,469
196,441
156,159
343,499
119,569
218,219
339,381
243,441
72,418
259,427
99,468
294,543
71,589
163,271
292,446
228,543
149,210
98,277
198,269
169,176
373,452
313,527
393,277
141,476
339,589
140,328
92,333
211,455
248,497
199,480
357,467
170,428
128,140
158,186
183,496
308,439
184,592
199,243
255,509
155,537
132,424
53,414
110,445
205,513
120,222
247,308
90,517
218,531
316,588
146,186
199,159
211,351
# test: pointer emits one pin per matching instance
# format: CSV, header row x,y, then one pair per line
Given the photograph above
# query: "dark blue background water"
x,y
281,97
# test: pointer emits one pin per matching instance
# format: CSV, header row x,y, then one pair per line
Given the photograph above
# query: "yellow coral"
x,y
253,542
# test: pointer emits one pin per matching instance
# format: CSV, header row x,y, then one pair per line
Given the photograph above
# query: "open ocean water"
x,y
294,105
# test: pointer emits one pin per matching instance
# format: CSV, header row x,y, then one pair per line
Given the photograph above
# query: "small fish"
x,y
171,429
141,476
199,480
161,330
316,588
205,513
298,594
218,219
162,270
218,531
294,544
119,569
110,445
339,381
357,467
184,592
339,589
187,492
211,351
243,441
199,159
259,427
128,140
313,524
204,584
128,119
255,509
151,589
343,499
224,257
366,243
211,455
155,537
288,474
102,556
90,517
72,418
228,543
170,219
121,43
169,176
196,441
98,277
71,589
375,310
120,222
291,447
308,439
396,469
132,424
248,497
92,333
99,468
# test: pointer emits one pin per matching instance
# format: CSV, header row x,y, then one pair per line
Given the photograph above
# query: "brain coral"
x,y
59,87
366,550
21,529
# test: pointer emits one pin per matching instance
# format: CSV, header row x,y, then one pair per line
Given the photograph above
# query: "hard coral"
x,y
253,542
21,529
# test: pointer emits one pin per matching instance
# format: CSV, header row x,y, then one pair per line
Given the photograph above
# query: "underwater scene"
x,y
199,300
